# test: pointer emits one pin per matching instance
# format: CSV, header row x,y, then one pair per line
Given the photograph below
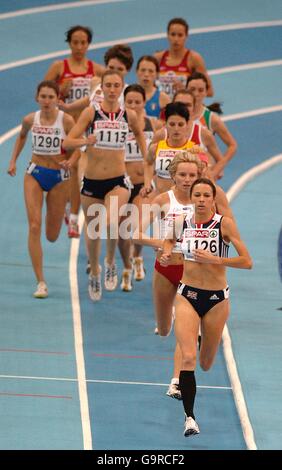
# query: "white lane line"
x,y
235,189
118,382
150,37
59,6
9,134
251,66
78,340
31,377
254,112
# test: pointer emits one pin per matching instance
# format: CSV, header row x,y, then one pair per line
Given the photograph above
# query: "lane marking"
x,y
250,66
78,341
121,382
58,353
143,38
235,189
33,395
254,112
59,6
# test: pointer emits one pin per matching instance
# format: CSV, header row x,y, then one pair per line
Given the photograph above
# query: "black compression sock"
x,y
187,385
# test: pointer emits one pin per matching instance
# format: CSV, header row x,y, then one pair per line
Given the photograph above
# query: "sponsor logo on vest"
x,y
213,233
197,233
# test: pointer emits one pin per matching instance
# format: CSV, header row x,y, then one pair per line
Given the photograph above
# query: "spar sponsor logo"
x,y
197,233
45,130
110,125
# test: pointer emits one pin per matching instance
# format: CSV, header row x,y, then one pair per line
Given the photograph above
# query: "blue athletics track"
x,y
78,375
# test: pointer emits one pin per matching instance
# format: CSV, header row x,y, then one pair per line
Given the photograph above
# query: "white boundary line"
x,y
59,6
235,189
254,112
149,37
118,382
251,66
78,340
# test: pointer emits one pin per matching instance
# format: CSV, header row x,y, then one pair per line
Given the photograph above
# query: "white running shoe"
x,y
173,390
41,291
95,286
111,278
156,331
126,280
190,427
138,268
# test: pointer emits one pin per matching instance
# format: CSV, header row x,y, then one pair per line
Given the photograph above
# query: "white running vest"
x,y
47,140
206,236
175,209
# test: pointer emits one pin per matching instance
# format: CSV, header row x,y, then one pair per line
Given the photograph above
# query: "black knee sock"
x,y
187,385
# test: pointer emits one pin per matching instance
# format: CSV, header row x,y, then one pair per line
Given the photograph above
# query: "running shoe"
x,y
138,268
73,230
41,291
126,280
111,278
95,287
190,427
173,390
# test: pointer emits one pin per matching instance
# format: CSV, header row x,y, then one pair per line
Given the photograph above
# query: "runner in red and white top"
x,y
178,62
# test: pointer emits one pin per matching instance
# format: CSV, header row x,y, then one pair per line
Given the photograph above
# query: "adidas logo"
x,y
214,297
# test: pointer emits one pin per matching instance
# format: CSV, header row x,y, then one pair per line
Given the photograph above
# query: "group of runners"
x,y
132,155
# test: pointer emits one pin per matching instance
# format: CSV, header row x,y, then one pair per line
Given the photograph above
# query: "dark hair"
x,y
204,181
176,109
111,72
121,52
78,27
149,58
197,76
178,21
48,84
136,88
216,106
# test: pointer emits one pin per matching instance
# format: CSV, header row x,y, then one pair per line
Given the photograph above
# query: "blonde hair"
x,y
186,156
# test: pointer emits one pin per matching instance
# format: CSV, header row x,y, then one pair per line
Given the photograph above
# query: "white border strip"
x,y
59,6
150,37
250,66
254,112
8,135
227,344
78,340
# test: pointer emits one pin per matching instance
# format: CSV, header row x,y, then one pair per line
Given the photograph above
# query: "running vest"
x,y
132,150
47,140
81,82
205,236
110,129
168,73
196,135
167,223
165,154
152,106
